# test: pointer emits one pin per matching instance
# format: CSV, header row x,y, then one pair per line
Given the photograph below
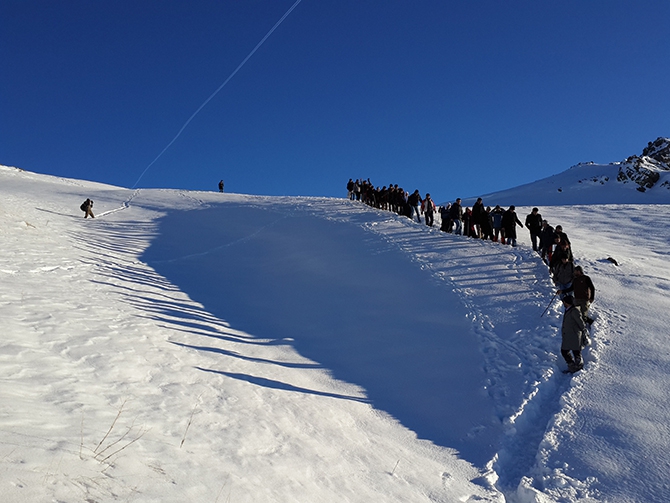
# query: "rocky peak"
x,y
645,170
658,150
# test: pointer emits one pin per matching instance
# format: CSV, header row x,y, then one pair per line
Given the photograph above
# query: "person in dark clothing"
x,y
496,217
584,292
446,220
571,336
534,225
414,201
561,250
221,186
457,216
563,274
428,208
350,189
546,241
478,215
87,208
564,236
468,229
487,224
509,223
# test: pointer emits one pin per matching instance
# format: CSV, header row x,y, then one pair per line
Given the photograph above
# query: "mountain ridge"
x,y
643,179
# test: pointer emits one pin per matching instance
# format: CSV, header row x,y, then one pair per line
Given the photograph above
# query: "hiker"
x,y
350,190
478,216
221,186
428,208
487,224
87,208
456,215
534,225
563,276
415,201
546,242
509,223
562,249
571,336
584,293
564,236
498,231
467,222
445,211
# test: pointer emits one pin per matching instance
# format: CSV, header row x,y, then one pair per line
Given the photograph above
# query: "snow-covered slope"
x,y
641,179
192,346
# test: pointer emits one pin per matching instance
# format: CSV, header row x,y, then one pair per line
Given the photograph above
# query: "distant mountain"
x,y
641,179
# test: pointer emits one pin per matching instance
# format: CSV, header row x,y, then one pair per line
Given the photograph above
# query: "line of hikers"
x,y
574,288
479,222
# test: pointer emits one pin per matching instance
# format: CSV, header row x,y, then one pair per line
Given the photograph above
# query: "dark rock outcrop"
x,y
646,170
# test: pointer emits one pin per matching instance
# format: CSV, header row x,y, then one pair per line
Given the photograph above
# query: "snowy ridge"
x,y
192,346
637,180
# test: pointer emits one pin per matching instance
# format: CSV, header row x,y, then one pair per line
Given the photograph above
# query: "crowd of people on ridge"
x,y
574,288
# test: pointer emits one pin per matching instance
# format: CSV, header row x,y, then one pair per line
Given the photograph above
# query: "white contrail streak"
x,y
267,35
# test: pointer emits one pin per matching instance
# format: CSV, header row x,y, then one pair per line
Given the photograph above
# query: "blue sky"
x,y
453,98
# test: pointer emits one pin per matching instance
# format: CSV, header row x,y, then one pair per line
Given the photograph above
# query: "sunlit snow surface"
x,y
193,346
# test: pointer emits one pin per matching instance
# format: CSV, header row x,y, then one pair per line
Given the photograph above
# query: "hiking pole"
x,y
547,308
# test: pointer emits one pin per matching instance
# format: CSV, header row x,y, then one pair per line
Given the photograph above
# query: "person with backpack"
x,y
220,185
87,208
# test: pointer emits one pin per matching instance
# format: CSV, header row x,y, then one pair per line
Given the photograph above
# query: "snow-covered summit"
x,y
641,179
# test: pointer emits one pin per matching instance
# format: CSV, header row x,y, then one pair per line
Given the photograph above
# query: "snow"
x,y
195,346
586,183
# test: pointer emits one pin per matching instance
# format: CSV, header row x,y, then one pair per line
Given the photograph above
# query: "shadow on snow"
x,y
345,299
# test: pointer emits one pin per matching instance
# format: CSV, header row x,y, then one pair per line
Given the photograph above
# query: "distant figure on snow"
x,y
87,208
221,186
